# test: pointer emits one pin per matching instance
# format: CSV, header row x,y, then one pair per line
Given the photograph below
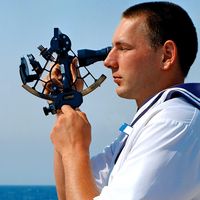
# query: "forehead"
x,y
131,28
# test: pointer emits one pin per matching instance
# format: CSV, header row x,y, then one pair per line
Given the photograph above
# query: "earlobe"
x,y
169,54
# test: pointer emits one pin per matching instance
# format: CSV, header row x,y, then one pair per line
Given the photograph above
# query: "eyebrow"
x,y
121,43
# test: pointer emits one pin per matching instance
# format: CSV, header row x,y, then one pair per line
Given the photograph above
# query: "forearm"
x,y
59,176
71,136
79,181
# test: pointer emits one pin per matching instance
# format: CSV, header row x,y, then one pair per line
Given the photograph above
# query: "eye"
x,y
123,48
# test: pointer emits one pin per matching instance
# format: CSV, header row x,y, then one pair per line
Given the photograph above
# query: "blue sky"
x,y
26,152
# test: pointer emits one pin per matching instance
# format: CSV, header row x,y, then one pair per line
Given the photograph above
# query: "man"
x,y
157,156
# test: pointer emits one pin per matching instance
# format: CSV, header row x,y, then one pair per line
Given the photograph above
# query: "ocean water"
x,y
28,193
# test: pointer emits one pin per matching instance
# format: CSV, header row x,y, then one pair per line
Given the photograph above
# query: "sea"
x,y
24,192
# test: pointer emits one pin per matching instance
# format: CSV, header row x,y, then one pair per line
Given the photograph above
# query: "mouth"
x,y
117,79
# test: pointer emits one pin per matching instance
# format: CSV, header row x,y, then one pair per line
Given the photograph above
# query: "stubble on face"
x,y
136,60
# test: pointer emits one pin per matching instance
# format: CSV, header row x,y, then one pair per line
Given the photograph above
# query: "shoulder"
x,y
168,123
177,109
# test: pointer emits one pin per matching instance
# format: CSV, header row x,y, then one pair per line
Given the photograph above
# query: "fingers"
x,y
54,73
59,113
53,78
73,68
66,109
49,86
76,76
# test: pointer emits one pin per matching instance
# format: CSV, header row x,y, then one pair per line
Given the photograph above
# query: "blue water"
x,y
28,193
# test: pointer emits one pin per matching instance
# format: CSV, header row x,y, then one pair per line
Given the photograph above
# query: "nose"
x,y
111,59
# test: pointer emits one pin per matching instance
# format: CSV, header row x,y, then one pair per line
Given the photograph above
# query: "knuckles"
x,y
70,122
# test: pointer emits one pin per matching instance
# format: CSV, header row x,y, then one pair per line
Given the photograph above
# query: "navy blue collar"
x,y
189,91
193,88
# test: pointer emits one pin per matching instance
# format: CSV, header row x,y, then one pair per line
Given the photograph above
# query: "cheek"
x,y
138,64
133,68
138,73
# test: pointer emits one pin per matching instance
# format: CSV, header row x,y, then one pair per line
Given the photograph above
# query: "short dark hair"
x,y
168,21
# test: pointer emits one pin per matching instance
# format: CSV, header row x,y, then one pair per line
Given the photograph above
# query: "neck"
x,y
156,90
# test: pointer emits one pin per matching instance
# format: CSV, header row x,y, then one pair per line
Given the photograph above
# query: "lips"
x,y
117,79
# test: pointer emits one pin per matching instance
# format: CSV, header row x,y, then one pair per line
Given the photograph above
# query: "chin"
x,y
124,94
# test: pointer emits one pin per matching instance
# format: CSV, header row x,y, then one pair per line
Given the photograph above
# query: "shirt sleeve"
x,y
101,166
164,163
103,163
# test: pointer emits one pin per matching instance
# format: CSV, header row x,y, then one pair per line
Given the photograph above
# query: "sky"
x,y
26,152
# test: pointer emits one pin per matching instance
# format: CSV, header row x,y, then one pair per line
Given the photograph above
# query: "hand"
x,y
71,133
71,137
76,73
56,77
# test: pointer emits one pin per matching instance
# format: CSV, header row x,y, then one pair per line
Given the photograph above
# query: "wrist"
x,y
75,155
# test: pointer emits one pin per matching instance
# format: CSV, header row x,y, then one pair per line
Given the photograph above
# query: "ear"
x,y
169,54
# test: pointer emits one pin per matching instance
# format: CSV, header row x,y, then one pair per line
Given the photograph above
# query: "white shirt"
x,y
161,158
